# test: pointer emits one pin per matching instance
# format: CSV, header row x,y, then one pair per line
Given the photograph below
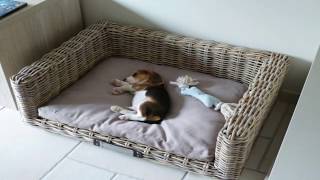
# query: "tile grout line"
x,y
88,164
114,176
55,165
258,171
184,176
270,140
104,169
273,138
264,155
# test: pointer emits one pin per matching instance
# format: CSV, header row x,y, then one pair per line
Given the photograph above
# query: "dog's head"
x,y
144,77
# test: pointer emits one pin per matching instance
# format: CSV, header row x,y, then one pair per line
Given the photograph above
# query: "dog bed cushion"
x,y
190,128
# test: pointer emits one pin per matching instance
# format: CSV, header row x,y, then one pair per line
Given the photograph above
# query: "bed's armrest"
x,y
34,85
239,132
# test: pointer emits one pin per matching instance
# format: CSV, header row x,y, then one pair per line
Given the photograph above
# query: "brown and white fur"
x,y
151,101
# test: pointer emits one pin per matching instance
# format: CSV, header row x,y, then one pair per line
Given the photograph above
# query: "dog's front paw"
x,y
123,117
115,108
117,91
117,82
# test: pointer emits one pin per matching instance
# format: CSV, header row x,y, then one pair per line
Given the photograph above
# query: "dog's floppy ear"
x,y
155,78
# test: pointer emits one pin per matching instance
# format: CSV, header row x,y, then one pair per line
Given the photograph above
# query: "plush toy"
x,y
187,87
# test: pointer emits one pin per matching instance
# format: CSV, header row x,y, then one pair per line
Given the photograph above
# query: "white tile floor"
x,y
31,153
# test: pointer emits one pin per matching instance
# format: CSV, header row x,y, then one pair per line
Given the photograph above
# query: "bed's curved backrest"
x,y
218,59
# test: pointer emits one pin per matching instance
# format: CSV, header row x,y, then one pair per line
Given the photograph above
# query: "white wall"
x,y
286,26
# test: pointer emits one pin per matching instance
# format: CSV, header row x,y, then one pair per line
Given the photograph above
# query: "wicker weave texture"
x,y
263,71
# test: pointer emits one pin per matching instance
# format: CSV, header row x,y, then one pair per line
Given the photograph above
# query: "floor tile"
x,y
123,163
27,152
193,176
246,175
287,118
271,124
289,97
70,169
251,175
276,141
124,177
259,149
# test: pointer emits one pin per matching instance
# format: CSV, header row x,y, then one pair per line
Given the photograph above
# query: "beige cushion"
x,y
190,129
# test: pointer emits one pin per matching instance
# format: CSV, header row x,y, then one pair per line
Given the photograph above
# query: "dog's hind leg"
x,y
137,116
132,117
121,110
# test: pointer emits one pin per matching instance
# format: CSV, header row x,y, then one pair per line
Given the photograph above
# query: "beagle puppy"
x,y
151,101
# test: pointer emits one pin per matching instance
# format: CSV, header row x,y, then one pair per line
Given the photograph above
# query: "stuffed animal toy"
x,y
187,87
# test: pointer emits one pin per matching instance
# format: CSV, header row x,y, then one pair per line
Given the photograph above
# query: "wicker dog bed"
x,y
262,71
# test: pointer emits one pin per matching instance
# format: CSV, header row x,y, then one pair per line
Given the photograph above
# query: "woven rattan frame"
x,y
262,71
